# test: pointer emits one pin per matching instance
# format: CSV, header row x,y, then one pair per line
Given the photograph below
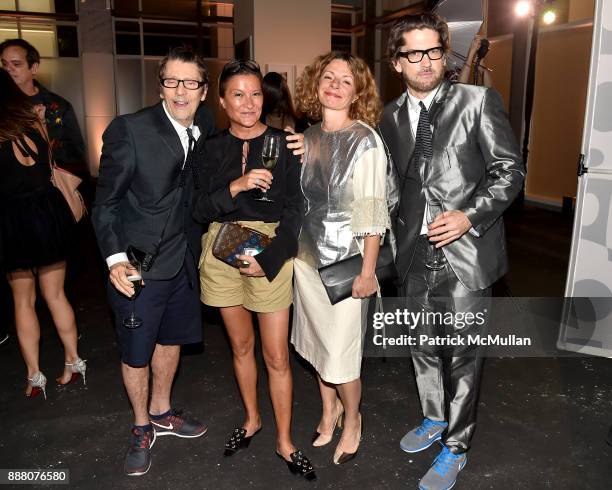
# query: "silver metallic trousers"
x,y
448,378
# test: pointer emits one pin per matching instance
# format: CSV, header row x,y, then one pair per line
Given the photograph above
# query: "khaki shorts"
x,y
222,285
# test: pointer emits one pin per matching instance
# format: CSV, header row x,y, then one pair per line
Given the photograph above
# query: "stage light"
x,y
549,17
522,8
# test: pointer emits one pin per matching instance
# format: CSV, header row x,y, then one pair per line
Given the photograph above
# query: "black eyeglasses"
x,y
188,84
416,55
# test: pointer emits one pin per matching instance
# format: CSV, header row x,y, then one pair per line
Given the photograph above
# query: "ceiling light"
x,y
522,8
549,17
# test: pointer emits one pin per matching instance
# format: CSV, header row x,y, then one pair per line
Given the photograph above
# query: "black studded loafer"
x,y
238,440
300,465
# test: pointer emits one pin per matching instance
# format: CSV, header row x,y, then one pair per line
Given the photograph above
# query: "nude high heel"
x,y
321,439
342,457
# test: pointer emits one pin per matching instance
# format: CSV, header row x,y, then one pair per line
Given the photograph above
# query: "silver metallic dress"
x,y
344,184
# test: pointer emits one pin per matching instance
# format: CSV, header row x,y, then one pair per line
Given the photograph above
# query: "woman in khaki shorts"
x,y
234,177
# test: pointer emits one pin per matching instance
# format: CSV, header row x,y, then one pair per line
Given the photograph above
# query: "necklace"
x,y
347,123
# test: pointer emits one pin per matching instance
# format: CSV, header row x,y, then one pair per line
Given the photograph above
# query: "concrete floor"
x,y
542,422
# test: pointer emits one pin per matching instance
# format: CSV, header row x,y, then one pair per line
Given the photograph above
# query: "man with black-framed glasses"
x,y
148,173
453,149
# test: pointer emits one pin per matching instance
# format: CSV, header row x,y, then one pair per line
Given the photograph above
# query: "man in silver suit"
x,y
451,145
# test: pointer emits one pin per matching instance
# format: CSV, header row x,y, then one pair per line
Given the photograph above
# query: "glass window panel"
x,y
127,37
64,7
360,39
127,26
151,82
341,20
341,43
125,8
159,37
7,4
224,42
222,11
67,41
214,68
129,86
127,44
36,6
208,50
177,9
8,30
42,37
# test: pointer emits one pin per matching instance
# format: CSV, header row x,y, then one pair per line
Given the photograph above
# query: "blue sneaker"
x,y
443,472
423,436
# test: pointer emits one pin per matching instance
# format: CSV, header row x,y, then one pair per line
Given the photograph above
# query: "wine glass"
x,y
269,156
135,277
435,257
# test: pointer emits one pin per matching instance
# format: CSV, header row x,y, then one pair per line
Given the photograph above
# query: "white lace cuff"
x,y
370,217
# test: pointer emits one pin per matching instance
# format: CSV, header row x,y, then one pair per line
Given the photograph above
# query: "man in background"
x,y
22,60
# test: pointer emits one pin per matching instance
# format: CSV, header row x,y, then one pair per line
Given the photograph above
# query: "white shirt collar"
x,y
179,128
413,102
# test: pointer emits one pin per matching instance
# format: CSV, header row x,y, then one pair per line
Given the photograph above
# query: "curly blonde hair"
x,y
366,108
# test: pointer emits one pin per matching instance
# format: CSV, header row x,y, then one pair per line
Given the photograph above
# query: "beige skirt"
x,y
330,337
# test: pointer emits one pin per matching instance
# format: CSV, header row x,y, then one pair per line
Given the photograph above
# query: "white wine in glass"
x,y
269,157
435,260
135,277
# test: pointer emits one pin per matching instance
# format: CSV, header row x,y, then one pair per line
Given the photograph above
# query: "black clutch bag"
x,y
338,277
234,239
145,259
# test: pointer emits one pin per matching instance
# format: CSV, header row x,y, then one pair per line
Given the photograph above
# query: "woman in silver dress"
x,y
343,179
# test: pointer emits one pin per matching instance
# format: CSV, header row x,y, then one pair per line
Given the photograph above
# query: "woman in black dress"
x,y
233,167
36,229
278,109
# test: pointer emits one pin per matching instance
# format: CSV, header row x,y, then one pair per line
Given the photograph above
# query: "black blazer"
x,y
138,190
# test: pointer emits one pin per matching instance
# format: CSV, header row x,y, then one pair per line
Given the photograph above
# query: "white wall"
x,y
243,19
581,10
100,102
64,77
303,34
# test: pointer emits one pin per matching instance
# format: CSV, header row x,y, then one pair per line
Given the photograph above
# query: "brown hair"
x,y
16,111
187,55
277,97
32,55
367,107
412,22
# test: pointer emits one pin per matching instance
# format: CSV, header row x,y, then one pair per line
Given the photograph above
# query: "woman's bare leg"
x,y
239,325
51,279
274,329
350,394
23,286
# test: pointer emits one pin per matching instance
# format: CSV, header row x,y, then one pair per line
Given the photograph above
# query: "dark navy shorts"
x,y
170,312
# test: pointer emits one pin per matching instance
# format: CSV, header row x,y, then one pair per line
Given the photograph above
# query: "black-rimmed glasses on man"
x,y
188,84
416,55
